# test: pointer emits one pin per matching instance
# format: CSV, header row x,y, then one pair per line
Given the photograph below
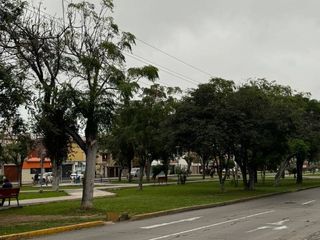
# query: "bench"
x,y
9,193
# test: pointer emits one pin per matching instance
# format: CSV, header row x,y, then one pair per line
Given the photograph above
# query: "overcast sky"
x,y
236,40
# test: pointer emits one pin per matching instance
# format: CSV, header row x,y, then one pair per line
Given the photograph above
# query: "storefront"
x,y
34,165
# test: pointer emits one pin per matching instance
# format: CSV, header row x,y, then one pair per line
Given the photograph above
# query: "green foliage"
x,y
12,128
299,146
149,72
12,95
96,49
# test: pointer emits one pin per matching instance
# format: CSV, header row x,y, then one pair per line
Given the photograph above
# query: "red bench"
x,y
10,193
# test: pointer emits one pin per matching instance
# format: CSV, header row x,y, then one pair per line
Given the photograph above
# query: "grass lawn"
x,y
152,198
49,188
44,194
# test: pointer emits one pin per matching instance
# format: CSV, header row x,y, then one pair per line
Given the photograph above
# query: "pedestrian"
x,y
36,178
6,184
47,180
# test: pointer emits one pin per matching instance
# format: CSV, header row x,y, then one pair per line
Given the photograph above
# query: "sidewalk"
x,y
73,194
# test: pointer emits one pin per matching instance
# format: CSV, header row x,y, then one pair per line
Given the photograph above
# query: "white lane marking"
x,y
169,223
259,228
279,223
306,203
280,228
274,226
212,225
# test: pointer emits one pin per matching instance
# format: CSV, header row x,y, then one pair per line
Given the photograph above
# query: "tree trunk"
x,y
129,174
219,172
263,175
252,174
243,169
141,176
189,162
235,176
120,174
282,168
189,167
56,172
203,168
148,168
299,170
88,185
255,175
222,178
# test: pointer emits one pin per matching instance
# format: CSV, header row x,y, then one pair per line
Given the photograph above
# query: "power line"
x,y
167,70
139,58
168,54
177,59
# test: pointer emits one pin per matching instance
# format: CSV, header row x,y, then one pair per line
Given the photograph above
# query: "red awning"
x,y
35,163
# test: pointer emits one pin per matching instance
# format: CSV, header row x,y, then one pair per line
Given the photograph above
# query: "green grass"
x,y
151,199
44,194
37,188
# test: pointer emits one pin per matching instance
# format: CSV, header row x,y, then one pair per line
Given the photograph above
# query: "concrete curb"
x,y
211,205
53,230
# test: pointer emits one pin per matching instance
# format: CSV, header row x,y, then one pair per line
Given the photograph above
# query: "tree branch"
x,y
76,137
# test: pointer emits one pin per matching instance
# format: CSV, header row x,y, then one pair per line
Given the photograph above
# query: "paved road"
x,y
290,216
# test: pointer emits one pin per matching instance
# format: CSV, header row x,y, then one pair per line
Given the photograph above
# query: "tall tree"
x,y
35,45
99,81
251,128
201,123
304,141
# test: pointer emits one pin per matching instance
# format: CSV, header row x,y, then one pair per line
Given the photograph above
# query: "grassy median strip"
x,y
151,199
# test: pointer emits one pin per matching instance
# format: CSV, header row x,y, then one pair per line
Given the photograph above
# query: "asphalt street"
x,y
289,216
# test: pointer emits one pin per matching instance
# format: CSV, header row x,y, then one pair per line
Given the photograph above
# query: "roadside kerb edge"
x,y
53,230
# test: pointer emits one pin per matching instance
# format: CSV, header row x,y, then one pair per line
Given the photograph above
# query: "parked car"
x,y
76,177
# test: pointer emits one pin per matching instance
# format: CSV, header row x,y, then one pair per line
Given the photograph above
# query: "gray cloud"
x,y
275,39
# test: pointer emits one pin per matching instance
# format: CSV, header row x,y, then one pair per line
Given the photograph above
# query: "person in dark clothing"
x,y
36,178
6,184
